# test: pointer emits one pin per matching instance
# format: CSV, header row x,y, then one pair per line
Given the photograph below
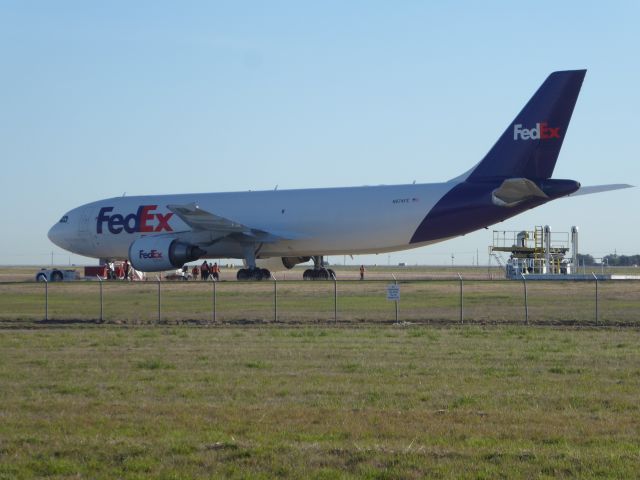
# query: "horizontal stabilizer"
x,y
600,188
514,191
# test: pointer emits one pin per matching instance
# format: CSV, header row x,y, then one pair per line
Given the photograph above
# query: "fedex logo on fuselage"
x,y
540,132
144,220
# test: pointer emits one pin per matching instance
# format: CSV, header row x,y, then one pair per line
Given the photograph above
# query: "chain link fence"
x,y
450,301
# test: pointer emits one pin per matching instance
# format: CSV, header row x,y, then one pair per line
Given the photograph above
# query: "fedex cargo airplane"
x,y
288,227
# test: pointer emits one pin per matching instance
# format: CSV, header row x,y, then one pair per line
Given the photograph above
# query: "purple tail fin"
x,y
530,145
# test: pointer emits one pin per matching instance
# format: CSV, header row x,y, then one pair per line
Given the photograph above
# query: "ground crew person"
x,y
361,272
204,270
215,271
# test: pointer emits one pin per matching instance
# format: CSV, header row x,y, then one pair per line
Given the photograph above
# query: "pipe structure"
x,y
574,249
547,249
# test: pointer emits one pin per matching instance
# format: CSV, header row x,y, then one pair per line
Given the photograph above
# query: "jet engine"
x,y
156,254
276,264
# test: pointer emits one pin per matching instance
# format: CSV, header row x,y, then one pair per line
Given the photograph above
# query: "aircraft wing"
x,y
203,221
199,219
600,188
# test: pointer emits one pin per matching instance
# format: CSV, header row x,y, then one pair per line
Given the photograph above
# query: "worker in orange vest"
x,y
215,271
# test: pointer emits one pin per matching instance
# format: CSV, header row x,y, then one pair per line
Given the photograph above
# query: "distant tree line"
x,y
612,260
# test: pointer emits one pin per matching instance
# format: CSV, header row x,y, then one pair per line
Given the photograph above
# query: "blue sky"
x,y
102,98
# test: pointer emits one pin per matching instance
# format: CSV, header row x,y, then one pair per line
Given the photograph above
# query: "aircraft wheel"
x,y
322,274
243,274
307,275
56,277
255,274
41,277
266,274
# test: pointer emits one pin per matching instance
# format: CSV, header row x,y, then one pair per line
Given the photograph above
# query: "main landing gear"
x,y
319,271
252,272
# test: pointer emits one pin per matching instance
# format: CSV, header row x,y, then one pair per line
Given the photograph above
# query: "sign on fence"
x,y
393,292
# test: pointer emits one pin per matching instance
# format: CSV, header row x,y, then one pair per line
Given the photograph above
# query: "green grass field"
x,y
300,396
319,402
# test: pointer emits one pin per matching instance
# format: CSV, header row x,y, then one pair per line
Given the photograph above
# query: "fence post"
x,y
46,298
596,279
461,300
395,280
213,299
526,302
275,298
335,299
101,302
158,280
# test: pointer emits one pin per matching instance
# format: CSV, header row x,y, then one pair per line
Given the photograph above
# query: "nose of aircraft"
x,y
56,235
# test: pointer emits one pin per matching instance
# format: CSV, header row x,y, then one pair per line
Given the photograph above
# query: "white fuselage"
x,y
327,221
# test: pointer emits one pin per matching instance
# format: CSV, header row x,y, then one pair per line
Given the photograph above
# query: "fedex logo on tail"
x,y
540,132
144,220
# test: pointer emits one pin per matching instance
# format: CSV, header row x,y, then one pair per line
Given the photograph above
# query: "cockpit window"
x,y
64,219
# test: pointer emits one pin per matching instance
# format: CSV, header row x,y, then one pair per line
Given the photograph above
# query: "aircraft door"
x,y
84,226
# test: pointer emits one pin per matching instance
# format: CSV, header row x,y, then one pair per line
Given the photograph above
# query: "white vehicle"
x,y
179,274
56,275
283,228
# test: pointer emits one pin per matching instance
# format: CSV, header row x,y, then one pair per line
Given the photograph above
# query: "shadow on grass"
x,y
441,323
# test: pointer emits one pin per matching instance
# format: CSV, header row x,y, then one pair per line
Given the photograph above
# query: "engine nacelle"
x,y
156,254
290,262
276,264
